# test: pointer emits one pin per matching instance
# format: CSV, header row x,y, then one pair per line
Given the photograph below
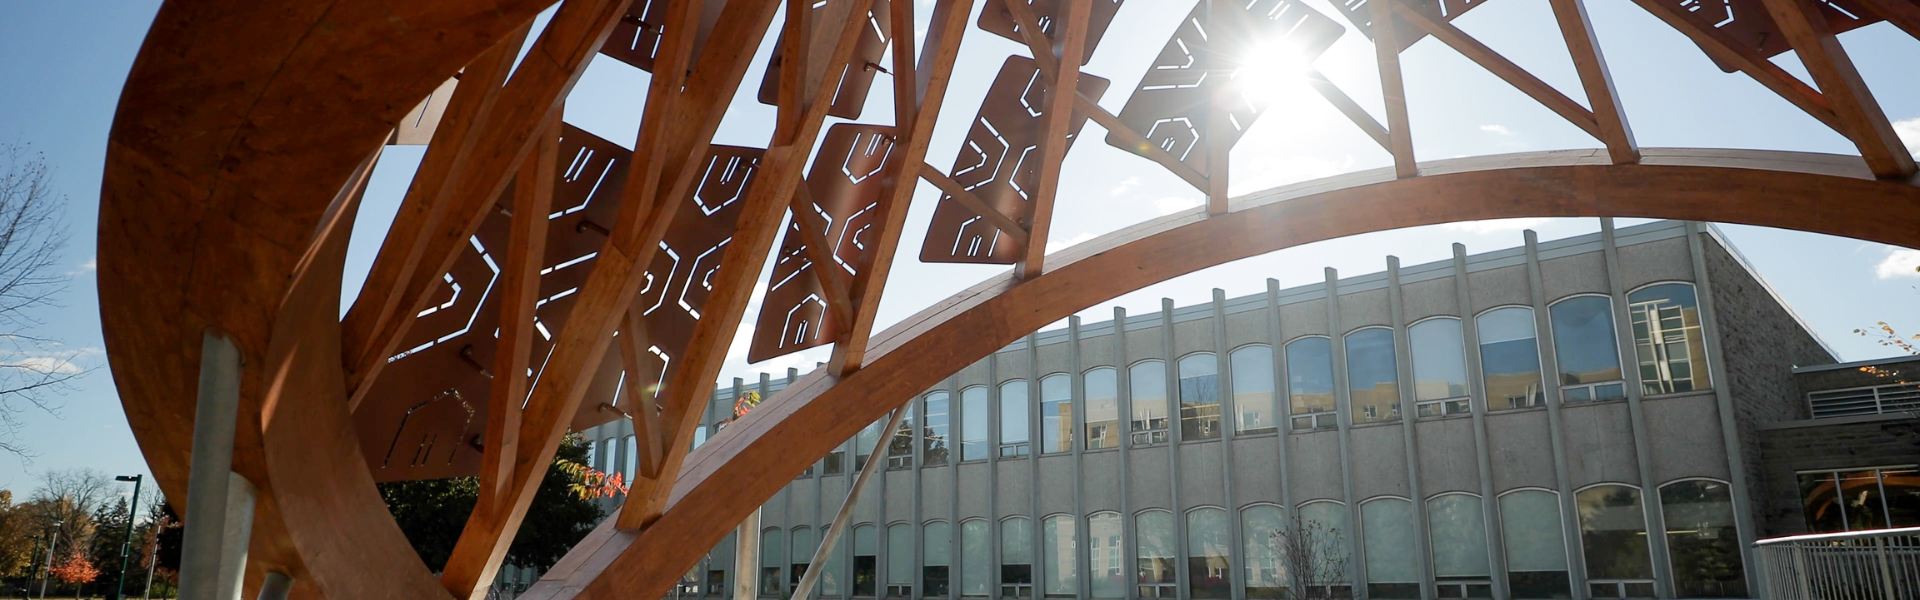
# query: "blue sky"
x,y
62,64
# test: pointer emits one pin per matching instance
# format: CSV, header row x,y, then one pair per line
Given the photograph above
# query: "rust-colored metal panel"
x,y
847,200
999,163
636,38
857,79
995,19
1171,104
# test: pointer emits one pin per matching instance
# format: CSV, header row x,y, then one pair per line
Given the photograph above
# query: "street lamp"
x,y
49,565
126,540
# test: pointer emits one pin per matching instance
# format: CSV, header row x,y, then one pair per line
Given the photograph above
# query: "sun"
x,y
1272,74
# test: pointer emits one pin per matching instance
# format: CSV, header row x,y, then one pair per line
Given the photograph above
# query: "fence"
x,y
1856,565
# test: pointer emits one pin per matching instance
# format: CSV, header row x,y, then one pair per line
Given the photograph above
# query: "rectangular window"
x,y
1666,338
900,446
934,446
1147,387
1310,383
1103,408
1013,419
1056,414
834,464
1199,397
974,417
1865,498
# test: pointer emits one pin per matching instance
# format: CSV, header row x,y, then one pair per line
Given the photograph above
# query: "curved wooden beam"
x,y
752,459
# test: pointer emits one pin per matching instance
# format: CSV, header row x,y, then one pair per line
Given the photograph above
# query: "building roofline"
x,y
1720,237
1873,362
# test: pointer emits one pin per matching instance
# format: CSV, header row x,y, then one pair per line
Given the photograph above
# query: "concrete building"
x,y
1510,424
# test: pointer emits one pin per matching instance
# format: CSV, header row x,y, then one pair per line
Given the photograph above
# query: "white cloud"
x,y
1909,132
50,363
1496,129
1125,185
1174,204
92,264
1495,225
1056,245
1899,262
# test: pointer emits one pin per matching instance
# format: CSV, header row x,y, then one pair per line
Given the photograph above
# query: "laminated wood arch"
x,y
247,130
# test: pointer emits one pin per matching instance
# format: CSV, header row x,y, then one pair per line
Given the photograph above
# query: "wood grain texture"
x,y
1861,118
1609,117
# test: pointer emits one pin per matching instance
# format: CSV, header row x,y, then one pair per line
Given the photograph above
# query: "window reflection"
x,y
1860,499
1059,562
1153,541
1701,539
900,560
1016,558
1310,382
866,560
900,446
1613,534
936,551
1373,379
1262,528
1323,527
1510,358
800,554
976,563
1666,338
1147,387
863,442
1013,419
1386,526
1105,555
974,416
1103,408
1439,367
934,438
1252,378
772,547
1209,574
1457,531
1583,342
1056,414
1535,545
1199,396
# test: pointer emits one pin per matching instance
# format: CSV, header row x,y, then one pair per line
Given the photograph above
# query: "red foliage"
x,y
75,569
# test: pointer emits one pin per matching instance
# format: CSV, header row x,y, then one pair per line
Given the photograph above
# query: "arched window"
x,y
1013,419
1535,544
1702,540
934,438
1310,383
1209,572
1263,530
700,438
974,416
1106,556
1386,527
1323,541
1103,408
633,457
900,560
830,572
1147,386
900,446
863,442
1199,396
1153,544
1439,367
1059,562
1666,338
1510,358
976,558
1016,557
1613,534
936,552
719,563
1373,377
773,560
1056,414
1584,344
1252,377
866,560
799,555
1457,536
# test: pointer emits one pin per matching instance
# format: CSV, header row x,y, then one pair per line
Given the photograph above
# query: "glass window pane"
x,y
773,546
1387,528
1199,396
1016,556
1209,574
1310,375
1103,408
1666,338
866,552
900,446
1583,342
1060,560
973,423
1147,384
1535,545
1613,533
1702,541
1261,528
1510,357
830,576
863,442
1013,418
900,554
1458,536
1252,375
1820,503
976,558
1860,491
1373,379
1056,414
1902,488
799,554
1439,365
936,558
935,442
1105,555
1324,535
1153,544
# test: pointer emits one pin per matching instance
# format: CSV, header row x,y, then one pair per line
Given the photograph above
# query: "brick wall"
x,y
1827,444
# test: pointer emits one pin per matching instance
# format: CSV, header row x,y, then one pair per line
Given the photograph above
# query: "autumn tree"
x,y
33,370
75,569
433,512
16,538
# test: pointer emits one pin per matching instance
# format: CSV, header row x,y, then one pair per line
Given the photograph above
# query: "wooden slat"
x,y
642,403
906,91
1727,51
367,334
994,217
833,281
1904,14
1053,140
1348,107
519,293
1591,64
932,71
1393,90
692,380
1028,26
1499,65
1860,116
1139,143
796,32
1219,147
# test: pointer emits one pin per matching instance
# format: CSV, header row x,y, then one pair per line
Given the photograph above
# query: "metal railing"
x,y
1873,564
1870,400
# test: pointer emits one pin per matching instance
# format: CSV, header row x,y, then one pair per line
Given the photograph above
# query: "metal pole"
x,y
275,586
804,590
48,568
126,541
153,558
219,516
746,557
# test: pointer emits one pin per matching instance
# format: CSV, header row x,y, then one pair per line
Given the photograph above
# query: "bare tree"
x,y
33,370
1314,557
71,497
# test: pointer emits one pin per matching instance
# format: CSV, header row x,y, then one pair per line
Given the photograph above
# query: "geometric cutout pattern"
x,y
997,20
856,80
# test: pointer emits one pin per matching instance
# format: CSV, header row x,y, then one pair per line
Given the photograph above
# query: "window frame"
x,y
1159,589
1326,420
1590,391
1066,445
985,442
1043,571
1620,584
1110,437
1219,399
1463,585
1156,431
1016,590
1538,400
1393,352
1003,449
1232,385
925,432
1706,357
1733,521
1451,405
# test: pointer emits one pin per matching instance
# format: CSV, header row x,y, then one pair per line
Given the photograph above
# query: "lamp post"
x,y
33,564
126,540
49,565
